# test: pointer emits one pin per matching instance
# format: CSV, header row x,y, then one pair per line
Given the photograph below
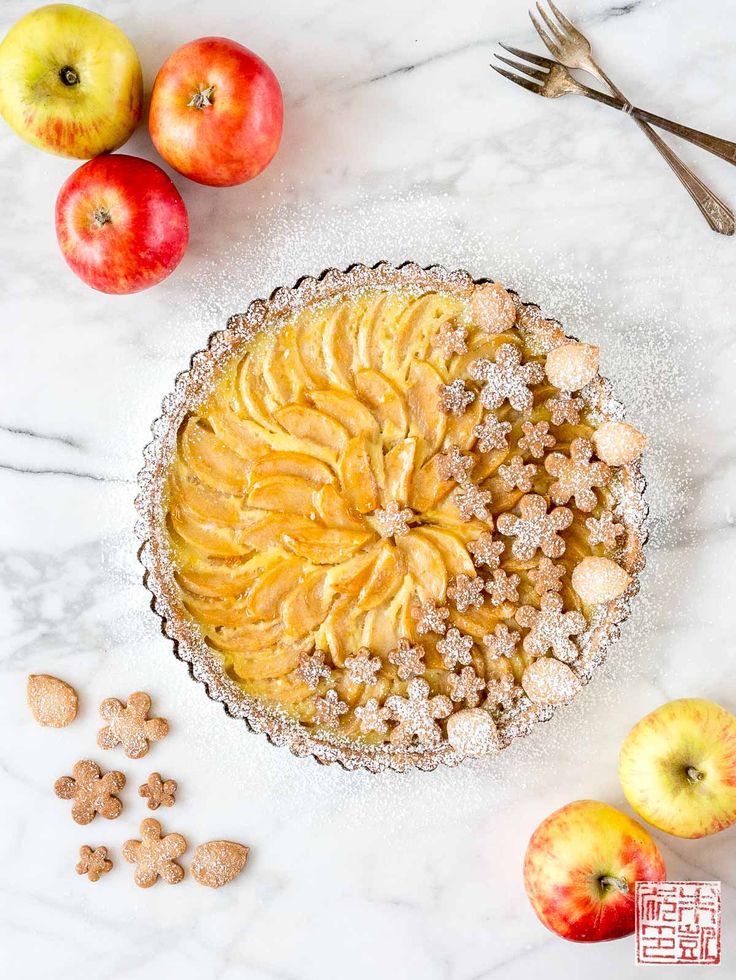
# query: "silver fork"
x,y
554,80
572,49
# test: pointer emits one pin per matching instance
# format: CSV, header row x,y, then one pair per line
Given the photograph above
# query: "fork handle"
x,y
724,149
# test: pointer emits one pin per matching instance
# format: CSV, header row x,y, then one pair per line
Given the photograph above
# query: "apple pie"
x,y
392,516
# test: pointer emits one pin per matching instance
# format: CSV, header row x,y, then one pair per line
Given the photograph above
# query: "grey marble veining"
x,y
399,143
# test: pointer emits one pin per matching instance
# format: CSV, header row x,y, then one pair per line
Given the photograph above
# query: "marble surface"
x,y
399,143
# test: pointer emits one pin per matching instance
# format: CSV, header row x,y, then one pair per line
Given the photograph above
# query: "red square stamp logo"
x,y
678,922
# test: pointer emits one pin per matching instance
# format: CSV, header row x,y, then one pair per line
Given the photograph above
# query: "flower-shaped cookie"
x,y
466,686
472,502
466,592
408,658
507,379
91,791
430,617
158,791
455,648
535,528
486,551
129,725
93,862
455,398
517,474
576,475
454,465
502,587
362,668
546,577
550,628
450,338
502,642
417,715
372,717
492,433
604,530
536,438
312,669
392,520
155,856
327,710
564,408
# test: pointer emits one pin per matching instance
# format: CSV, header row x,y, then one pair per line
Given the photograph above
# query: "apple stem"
x,y
202,98
69,75
100,217
609,881
693,774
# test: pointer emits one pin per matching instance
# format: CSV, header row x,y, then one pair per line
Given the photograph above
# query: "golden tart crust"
x,y
362,511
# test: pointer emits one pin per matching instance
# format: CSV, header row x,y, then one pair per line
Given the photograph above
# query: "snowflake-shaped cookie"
x,y
502,642
466,686
312,669
466,591
455,648
502,587
550,628
154,855
372,717
129,725
604,530
451,338
454,465
486,551
492,433
472,502
576,475
535,528
408,658
536,438
327,710
362,668
507,379
517,474
392,520
416,715
546,577
563,407
455,398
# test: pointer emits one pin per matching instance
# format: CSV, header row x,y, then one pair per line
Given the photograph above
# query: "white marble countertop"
x,y
399,143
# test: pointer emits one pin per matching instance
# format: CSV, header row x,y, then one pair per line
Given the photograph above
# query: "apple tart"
x,y
393,516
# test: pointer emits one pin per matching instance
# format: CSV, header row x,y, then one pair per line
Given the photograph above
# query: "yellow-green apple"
x,y
121,224
70,81
678,768
216,112
580,868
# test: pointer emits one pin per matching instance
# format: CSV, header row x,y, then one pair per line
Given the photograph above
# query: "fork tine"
x,y
524,82
561,17
536,59
550,23
525,69
546,39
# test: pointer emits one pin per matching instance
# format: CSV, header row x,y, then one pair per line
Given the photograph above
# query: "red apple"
x,y
121,224
216,112
580,868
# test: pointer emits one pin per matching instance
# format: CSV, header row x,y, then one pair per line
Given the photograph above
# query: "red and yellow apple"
x,y
678,768
216,112
121,224
580,868
70,81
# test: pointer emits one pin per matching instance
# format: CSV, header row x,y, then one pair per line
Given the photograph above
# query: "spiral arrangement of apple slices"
x,y
277,490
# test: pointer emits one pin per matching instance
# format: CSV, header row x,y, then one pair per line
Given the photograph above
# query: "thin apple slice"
x,y
211,461
429,487
460,427
283,494
427,421
198,501
269,532
385,579
273,662
348,411
270,590
370,331
452,547
341,624
283,372
338,346
324,546
416,327
335,511
215,578
399,471
307,606
255,402
386,403
349,577
243,436
210,539
480,621
385,624
313,427
356,476
215,612
308,332
425,563
247,638
292,464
